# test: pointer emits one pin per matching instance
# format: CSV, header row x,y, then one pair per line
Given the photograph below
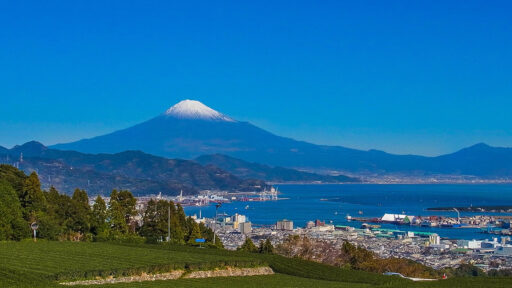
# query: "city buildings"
x,y
245,228
284,225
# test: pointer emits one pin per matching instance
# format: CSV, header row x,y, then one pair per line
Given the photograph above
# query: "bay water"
x,y
332,203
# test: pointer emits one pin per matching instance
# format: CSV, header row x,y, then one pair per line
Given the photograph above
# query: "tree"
x,y
177,233
15,177
206,232
162,216
266,247
32,197
260,246
122,205
52,201
12,224
357,257
248,246
81,212
116,217
156,220
182,218
99,226
57,218
218,243
465,270
195,232
149,227
49,227
189,226
80,196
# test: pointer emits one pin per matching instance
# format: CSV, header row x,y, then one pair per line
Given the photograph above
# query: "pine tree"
x,y
81,212
177,234
16,178
12,224
206,232
99,226
248,246
195,233
49,227
117,215
32,199
58,216
52,200
267,247
80,196
189,226
125,203
218,243
149,227
162,217
261,247
182,218
122,206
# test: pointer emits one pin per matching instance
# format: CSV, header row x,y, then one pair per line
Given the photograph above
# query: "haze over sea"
x,y
334,202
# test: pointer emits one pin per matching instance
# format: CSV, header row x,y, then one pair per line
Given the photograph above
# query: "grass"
x,y
59,261
45,264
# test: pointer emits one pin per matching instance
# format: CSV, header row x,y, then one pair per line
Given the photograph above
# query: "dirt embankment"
x,y
230,272
173,275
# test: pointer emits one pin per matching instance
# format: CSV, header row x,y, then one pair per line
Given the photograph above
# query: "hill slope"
x,y
134,170
248,170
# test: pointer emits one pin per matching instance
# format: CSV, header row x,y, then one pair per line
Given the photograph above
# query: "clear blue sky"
x,y
425,77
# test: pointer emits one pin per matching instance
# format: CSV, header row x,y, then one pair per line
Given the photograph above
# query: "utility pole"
x,y
168,222
215,223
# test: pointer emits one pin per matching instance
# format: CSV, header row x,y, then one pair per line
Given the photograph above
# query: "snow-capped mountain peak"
x,y
191,109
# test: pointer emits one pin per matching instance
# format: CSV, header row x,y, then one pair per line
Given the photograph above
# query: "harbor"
x,y
427,248
333,203
487,224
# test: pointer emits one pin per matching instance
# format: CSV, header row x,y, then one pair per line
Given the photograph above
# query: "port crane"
x,y
458,215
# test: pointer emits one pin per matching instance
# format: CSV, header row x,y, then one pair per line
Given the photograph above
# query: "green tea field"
x,y
46,264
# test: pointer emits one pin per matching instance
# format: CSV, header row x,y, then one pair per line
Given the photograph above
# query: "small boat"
x,y
360,212
246,207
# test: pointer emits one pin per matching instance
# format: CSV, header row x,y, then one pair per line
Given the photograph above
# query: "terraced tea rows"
x,y
44,264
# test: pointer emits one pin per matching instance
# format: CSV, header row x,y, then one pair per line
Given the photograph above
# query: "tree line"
x,y
61,217
265,247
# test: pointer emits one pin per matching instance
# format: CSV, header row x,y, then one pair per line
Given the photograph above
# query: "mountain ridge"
x,y
173,137
247,170
137,171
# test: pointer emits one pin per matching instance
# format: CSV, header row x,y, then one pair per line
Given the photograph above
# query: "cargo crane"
x,y
458,215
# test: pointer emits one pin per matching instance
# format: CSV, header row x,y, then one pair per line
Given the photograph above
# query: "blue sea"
x,y
332,203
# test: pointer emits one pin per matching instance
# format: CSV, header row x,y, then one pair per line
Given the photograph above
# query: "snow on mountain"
x,y
191,109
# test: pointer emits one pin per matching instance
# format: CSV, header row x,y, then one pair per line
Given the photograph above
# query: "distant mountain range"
x,y
249,170
190,129
136,171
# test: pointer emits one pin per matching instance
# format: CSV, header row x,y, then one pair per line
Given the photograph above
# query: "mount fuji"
x,y
187,130
190,129
191,109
